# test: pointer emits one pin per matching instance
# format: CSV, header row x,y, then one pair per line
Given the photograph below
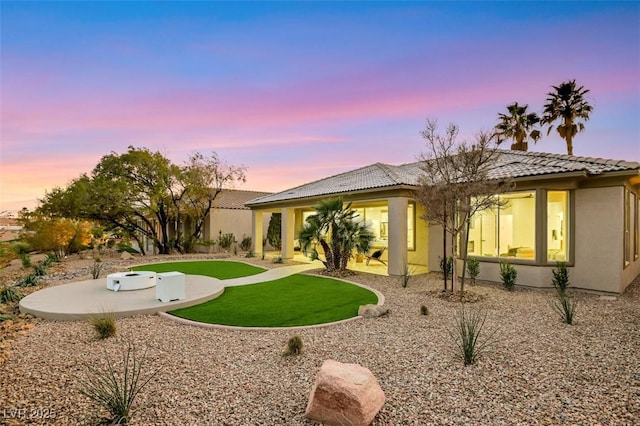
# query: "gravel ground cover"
x,y
539,371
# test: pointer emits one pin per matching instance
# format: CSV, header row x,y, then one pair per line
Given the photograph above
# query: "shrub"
x,y
470,341
30,280
51,258
5,317
278,259
508,274
560,278
294,346
9,294
446,265
20,248
473,268
26,260
565,306
246,242
274,231
250,254
40,269
225,240
96,268
104,325
115,389
424,310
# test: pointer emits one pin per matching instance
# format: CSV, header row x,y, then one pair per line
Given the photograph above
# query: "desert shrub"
x,y
508,274
278,259
274,231
424,310
225,240
250,254
4,317
26,260
469,335
560,278
104,325
20,248
96,268
40,269
117,387
473,268
246,242
9,294
446,266
294,346
30,280
407,273
565,306
52,257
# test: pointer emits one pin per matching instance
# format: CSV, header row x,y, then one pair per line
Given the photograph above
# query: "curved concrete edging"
x,y
184,321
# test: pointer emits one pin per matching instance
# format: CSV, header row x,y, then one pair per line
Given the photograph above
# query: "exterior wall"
x,y
420,256
238,222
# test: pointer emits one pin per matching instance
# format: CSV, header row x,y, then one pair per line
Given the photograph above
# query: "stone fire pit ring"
x,y
127,281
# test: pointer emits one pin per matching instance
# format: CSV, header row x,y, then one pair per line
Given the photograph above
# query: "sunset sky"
x,y
296,91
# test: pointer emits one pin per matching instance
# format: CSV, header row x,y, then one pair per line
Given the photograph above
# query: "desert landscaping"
x,y
537,370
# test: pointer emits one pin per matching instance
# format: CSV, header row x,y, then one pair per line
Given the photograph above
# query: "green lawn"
x,y
220,269
292,301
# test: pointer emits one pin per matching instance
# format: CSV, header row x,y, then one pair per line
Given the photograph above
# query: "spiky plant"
x,y
104,325
294,346
469,336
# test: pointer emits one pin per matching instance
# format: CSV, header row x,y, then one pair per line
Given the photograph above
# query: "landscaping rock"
x,y
126,255
372,311
344,394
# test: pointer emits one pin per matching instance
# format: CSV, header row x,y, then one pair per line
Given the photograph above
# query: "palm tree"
x,y
567,103
334,227
517,125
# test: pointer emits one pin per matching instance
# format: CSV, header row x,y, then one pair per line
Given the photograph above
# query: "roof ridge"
x,y
389,170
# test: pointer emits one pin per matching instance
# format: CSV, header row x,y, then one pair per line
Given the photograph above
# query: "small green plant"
x,y
96,268
9,294
246,242
51,258
104,325
446,266
278,259
508,274
473,268
117,387
468,336
30,280
20,248
564,304
424,310
40,269
294,346
5,317
250,254
26,260
407,273
225,240
560,278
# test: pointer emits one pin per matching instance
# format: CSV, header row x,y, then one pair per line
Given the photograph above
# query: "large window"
x,y
557,229
378,220
506,231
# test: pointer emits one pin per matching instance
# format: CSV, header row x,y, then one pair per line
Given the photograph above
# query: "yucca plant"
x,y
117,387
9,294
30,280
560,278
104,325
407,273
565,306
468,335
40,269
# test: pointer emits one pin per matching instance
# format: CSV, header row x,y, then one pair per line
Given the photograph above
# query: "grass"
x,y
220,269
291,301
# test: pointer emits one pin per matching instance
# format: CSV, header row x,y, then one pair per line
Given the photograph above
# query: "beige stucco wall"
x,y
235,221
420,256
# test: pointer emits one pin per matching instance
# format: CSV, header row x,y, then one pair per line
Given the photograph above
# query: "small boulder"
x,y
125,255
344,394
372,311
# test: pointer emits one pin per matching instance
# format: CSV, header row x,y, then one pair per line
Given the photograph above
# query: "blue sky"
x,y
296,91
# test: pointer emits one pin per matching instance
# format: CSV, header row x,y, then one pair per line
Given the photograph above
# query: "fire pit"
x,y
126,281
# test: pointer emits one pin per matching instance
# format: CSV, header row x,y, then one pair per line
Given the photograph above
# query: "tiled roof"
x,y
513,164
235,198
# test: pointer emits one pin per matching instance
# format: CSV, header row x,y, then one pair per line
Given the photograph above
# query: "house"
x,y
583,211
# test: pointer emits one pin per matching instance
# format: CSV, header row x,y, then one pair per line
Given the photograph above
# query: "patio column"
x,y
397,254
256,232
288,232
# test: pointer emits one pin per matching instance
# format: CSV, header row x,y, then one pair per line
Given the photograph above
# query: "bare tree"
x,y
456,184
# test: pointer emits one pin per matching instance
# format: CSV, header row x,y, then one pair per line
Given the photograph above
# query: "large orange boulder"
x,y
344,394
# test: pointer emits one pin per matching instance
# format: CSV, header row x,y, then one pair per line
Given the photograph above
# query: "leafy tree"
x,y
567,104
517,125
274,231
337,231
456,184
197,184
60,235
